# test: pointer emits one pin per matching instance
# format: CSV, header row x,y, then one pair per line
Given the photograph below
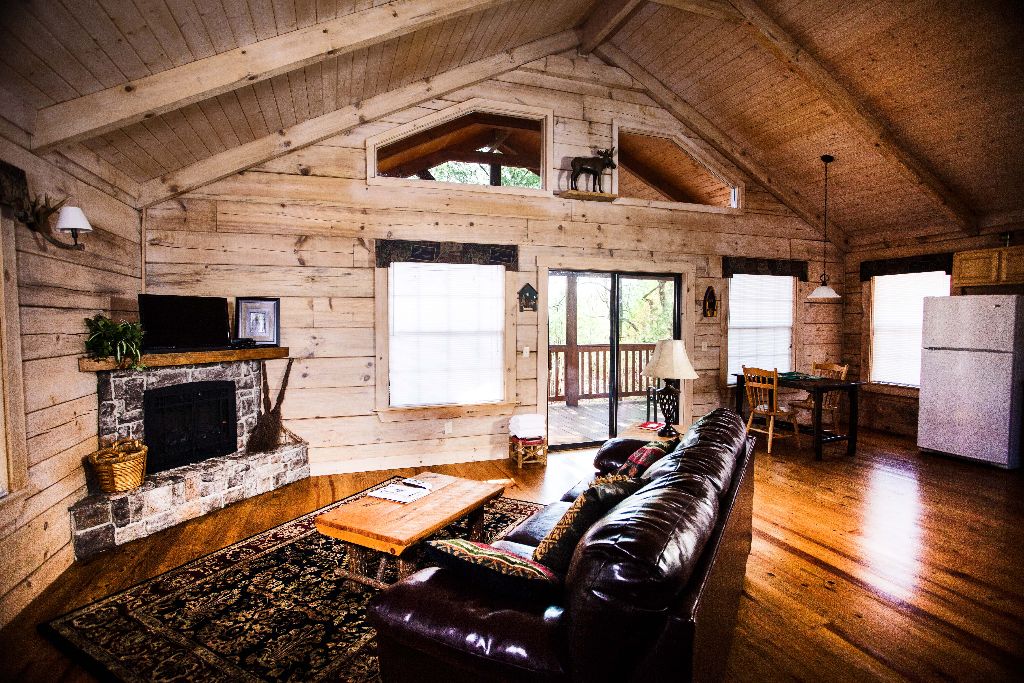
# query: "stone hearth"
x,y
103,521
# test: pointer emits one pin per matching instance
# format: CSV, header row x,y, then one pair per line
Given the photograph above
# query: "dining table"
x,y
817,387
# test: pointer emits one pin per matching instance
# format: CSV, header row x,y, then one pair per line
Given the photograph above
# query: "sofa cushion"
x,y
714,444
497,568
645,456
710,461
629,569
537,525
556,548
613,453
438,613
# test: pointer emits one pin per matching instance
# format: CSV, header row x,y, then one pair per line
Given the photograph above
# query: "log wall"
x,y
301,227
58,288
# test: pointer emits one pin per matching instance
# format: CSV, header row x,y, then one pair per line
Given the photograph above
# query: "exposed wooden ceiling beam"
x,y
322,127
716,9
738,156
773,37
604,21
119,106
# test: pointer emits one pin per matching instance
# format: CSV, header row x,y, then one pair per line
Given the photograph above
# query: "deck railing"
x,y
587,372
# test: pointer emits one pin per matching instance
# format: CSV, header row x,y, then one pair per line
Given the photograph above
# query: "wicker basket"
x,y
120,466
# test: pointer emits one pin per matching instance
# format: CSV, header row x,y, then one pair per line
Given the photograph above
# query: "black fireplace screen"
x,y
188,423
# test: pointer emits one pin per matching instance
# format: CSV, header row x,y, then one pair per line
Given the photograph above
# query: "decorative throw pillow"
x,y
645,456
556,548
498,569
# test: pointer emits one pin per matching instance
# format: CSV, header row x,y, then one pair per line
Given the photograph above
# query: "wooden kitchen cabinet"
x,y
986,267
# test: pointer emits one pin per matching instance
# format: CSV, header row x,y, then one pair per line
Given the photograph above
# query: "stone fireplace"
x,y
196,420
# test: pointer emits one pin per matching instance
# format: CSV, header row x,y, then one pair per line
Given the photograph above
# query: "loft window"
x,y
656,168
477,148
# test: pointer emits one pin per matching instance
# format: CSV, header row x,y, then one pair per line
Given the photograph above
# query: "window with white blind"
x,y
897,316
446,334
760,322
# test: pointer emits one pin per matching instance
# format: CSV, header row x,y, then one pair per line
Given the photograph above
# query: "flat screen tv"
x,y
183,323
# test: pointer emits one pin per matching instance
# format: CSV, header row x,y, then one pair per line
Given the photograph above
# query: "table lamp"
x,y
669,362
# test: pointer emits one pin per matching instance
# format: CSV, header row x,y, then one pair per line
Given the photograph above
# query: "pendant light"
x,y
823,290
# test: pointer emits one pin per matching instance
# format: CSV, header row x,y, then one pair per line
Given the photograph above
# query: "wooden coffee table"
x,y
390,527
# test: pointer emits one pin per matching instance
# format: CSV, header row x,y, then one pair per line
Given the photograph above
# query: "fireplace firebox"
x,y
188,423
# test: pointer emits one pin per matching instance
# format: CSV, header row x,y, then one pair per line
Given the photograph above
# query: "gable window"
x,y
760,322
658,166
897,318
475,143
446,334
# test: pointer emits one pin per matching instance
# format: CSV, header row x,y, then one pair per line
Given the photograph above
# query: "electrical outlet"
x,y
448,427
703,346
526,352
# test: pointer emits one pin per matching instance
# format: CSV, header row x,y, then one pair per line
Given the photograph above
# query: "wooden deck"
x,y
888,566
588,421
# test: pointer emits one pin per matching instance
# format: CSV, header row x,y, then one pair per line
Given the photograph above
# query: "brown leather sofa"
x,y
651,595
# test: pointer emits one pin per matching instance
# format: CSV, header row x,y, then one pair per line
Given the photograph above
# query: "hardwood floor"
x,y
887,566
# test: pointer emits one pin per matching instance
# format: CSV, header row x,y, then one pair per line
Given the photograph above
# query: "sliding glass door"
x,y
602,328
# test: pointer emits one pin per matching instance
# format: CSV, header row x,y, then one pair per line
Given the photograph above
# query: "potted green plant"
x,y
120,340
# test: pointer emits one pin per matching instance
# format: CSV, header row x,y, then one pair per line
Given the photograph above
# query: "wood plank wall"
x,y
301,227
886,408
57,289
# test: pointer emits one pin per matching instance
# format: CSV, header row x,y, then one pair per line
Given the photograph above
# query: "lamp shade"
x,y
669,361
72,218
824,292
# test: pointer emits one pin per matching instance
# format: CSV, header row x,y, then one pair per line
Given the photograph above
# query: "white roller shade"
x,y
897,316
760,322
447,334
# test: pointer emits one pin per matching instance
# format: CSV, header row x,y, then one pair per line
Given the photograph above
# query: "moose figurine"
x,y
594,167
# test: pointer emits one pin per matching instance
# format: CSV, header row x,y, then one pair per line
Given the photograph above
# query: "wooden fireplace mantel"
x,y
163,360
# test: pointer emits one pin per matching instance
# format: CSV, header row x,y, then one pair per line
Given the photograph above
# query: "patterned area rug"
x,y
278,606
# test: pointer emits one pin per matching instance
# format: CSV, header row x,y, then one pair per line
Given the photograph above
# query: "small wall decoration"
x,y
593,167
259,319
710,305
527,298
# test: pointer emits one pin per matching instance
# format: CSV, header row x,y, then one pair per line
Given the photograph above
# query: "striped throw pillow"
x,y
498,568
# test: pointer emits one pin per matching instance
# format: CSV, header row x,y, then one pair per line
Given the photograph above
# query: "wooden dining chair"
x,y
762,388
830,399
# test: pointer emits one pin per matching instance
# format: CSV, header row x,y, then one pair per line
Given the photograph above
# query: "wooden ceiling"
x,y
920,101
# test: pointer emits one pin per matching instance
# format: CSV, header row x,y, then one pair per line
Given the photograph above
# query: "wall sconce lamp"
x,y
70,220
35,214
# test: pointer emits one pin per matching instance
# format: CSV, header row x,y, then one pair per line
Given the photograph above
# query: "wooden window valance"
x,y
926,263
418,251
739,265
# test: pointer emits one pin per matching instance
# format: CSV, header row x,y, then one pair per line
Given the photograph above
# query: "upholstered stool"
x,y
528,451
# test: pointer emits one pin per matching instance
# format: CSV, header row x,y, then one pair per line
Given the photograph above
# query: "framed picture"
x,y
258,318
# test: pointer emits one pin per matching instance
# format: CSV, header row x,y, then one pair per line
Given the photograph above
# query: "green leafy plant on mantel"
x,y
122,341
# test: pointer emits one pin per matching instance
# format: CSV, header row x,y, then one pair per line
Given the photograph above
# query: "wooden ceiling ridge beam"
x,y
738,156
112,108
855,111
605,21
322,127
716,9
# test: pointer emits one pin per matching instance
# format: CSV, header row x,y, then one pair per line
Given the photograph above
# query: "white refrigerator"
x,y
972,377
